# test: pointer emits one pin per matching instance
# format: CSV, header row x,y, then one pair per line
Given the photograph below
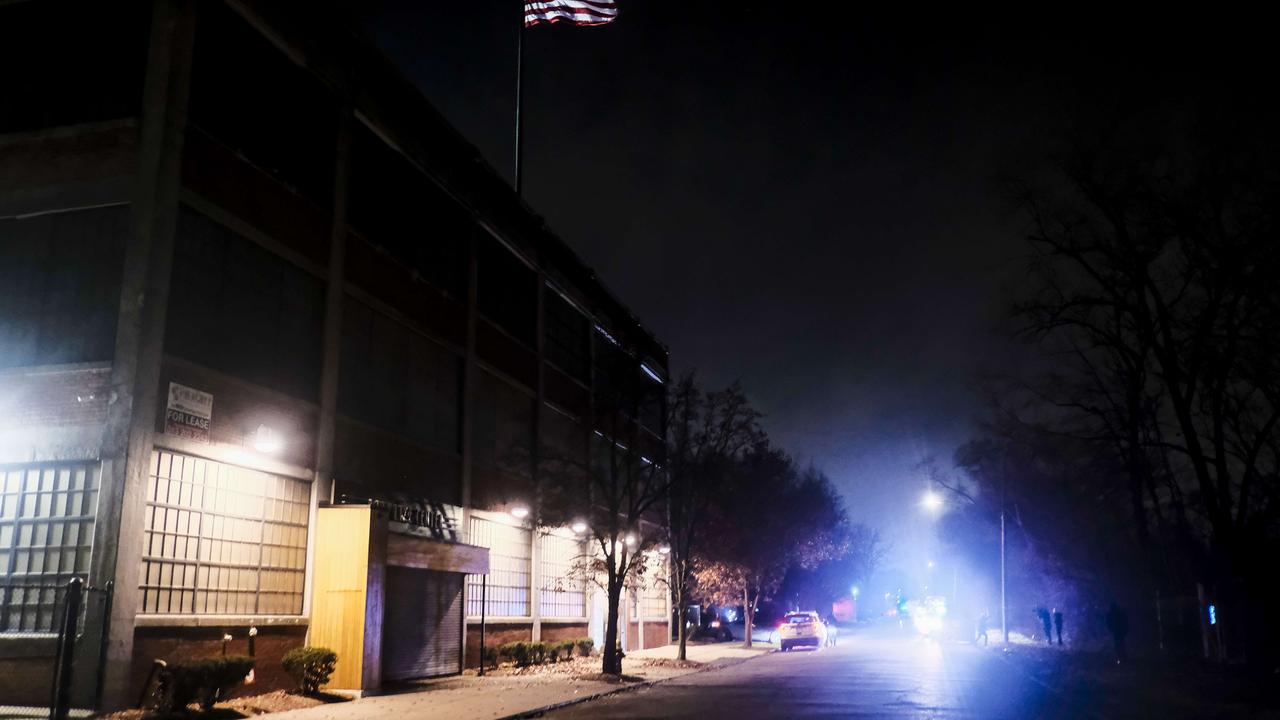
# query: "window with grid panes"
x,y
650,594
653,599
562,595
507,593
46,536
222,539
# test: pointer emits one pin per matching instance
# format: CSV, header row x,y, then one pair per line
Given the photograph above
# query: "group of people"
x,y
1045,618
1117,621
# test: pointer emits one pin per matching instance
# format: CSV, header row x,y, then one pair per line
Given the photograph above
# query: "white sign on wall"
x,y
188,413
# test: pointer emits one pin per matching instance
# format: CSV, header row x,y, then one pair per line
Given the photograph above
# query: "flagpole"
x,y
520,104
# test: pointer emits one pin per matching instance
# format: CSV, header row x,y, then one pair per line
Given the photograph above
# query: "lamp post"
x,y
932,503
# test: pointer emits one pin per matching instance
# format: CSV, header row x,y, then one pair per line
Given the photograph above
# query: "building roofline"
x,y
330,45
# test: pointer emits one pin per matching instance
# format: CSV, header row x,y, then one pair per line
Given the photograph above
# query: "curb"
x,y
539,711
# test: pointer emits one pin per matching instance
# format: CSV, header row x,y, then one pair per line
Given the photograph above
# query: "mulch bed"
x,y
240,707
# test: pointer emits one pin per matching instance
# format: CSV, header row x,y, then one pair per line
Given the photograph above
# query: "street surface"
x,y
871,674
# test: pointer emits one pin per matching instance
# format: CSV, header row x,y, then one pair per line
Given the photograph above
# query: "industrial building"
x,y
279,351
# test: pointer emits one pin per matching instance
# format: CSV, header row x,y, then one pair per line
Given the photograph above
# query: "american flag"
x,y
578,12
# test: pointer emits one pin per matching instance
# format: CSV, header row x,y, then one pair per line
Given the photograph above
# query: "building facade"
x,y
279,351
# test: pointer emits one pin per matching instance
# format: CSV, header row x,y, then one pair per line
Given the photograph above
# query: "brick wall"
x,y
564,631
238,409
26,671
655,634
176,644
54,398
495,635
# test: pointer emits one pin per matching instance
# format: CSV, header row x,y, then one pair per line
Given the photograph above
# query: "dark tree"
x,y
775,518
707,434
618,493
1155,301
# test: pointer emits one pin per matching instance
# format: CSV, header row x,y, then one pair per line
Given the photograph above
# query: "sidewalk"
x,y
469,696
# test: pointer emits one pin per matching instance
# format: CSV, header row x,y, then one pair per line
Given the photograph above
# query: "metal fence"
x,y
76,618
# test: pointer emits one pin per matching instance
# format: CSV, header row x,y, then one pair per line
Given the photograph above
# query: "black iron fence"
x,y
76,618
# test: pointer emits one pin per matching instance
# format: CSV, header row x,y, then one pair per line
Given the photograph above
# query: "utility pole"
x,y
1004,623
1004,483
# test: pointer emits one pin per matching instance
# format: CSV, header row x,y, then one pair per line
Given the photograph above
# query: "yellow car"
x,y
802,628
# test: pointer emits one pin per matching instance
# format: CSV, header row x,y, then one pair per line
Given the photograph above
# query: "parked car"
x,y
802,628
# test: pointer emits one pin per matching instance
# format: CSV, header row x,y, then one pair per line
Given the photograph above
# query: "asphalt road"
x,y
871,674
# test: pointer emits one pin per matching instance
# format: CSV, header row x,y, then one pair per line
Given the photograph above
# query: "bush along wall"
x,y
524,654
310,667
203,682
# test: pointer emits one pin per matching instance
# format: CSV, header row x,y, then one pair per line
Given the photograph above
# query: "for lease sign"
x,y
188,413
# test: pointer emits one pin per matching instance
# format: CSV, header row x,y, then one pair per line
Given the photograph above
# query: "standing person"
x,y
1043,613
1057,623
983,622
1118,625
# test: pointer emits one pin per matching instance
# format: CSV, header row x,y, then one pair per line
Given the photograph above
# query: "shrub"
x,y
537,652
200,681
517,651
490,657
585,645
310,667
566,648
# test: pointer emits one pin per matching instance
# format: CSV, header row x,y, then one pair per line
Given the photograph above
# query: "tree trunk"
x,y
682,616
612,663
748,617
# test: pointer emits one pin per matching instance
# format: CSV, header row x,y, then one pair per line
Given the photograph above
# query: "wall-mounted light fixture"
x,y
266,440
519,512
578,527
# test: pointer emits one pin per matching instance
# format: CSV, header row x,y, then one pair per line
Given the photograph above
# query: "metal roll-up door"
x,y
422,624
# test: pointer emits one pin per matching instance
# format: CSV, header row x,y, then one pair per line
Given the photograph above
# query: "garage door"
x,y
422,624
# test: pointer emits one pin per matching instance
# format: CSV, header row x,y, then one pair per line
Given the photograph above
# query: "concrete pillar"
x,y
535,584
335,297
132,408
639,620
322,488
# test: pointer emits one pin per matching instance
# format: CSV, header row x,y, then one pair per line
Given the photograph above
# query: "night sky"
x,y
810,203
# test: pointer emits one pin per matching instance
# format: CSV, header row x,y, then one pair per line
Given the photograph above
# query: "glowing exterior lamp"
x,y
631,540
665,550
854,591
520,512
578,527
266,440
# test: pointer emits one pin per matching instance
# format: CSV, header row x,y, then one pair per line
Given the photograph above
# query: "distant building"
x,y
279,350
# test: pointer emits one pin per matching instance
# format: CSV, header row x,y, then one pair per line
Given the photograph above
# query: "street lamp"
x,y
932,502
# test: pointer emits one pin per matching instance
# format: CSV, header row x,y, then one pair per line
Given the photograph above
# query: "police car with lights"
x,y
799,629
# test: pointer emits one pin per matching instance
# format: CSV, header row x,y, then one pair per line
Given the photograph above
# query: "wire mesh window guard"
x,y
47,515
222,540
509,568
562,595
